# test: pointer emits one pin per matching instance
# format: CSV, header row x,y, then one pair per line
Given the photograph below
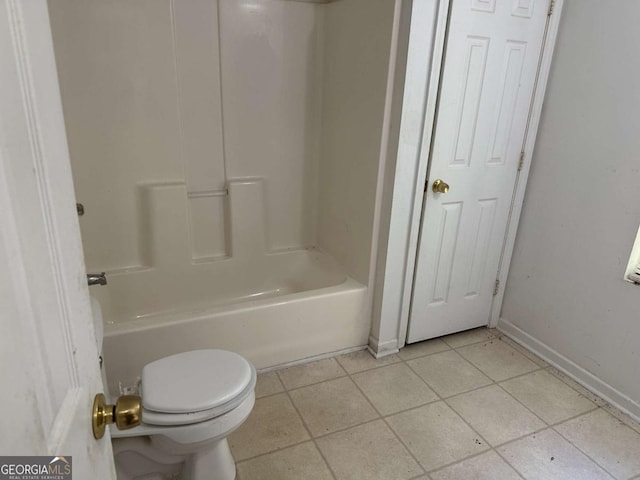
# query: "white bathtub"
x,y
276,309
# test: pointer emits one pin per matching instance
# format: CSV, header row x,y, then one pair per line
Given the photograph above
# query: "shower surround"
x,y
227,154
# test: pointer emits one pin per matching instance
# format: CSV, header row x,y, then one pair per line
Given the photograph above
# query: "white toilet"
x,y
191,402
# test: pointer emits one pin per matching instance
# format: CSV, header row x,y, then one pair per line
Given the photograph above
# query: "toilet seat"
x,y
195,386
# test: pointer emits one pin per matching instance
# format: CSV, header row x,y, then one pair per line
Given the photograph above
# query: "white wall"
x,y
582,208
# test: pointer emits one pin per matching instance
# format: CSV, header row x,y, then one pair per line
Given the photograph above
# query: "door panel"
x,y
492,53
48,347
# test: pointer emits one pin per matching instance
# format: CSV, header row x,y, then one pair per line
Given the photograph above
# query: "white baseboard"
x,y
572,369
382,349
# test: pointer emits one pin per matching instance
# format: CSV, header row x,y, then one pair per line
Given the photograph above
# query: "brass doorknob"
x,y
440,186
126,413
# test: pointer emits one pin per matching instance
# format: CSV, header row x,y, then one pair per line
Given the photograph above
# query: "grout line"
x,y
422,475
465,360
494,382
521,437
560,422
342,430
470,457
279,449
522,404
509,463
571,383
548,426
315,444
375,410
422,355
440,398
538,369
474,431
584,453
293,389
406,447
494,333
384,420
269,395
367,369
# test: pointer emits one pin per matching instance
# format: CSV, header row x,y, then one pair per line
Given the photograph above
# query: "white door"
x,y
48,356
492,53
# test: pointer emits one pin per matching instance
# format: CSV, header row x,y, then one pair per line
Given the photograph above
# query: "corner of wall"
x,y
570,368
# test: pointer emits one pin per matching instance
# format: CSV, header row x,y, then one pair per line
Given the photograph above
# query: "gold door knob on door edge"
x,y
440,186
126,413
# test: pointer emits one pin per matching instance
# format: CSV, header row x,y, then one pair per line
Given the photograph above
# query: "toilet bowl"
x,y
191,402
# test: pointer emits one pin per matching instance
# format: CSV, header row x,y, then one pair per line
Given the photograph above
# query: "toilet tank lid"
x,y
194,381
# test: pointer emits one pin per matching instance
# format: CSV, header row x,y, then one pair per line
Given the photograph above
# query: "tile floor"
x,y
474,405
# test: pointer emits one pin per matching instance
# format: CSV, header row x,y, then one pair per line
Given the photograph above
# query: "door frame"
x,y
399,250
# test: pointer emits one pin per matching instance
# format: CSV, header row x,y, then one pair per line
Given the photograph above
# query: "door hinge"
x,y
551,5
521,163
496,289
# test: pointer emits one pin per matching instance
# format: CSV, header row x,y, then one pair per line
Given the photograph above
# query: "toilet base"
x,y
213,463
138,458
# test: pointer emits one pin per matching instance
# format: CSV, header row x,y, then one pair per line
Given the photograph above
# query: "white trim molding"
x,y
572,369
403,203
382,349
398,251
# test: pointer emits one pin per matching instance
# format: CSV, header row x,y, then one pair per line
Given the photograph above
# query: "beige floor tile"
x,y
421,349
368,452
309,373
530,355
488,466
546,455
293,463
268,384
363,360
394,388
436,435
468,337
607,440
576,386
495,415
623,417
448,373
273,424
547,396
333,405
497,359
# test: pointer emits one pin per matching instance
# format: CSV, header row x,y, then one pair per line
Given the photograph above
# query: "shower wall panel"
x,y
272,99
118,82
194,93
357,45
